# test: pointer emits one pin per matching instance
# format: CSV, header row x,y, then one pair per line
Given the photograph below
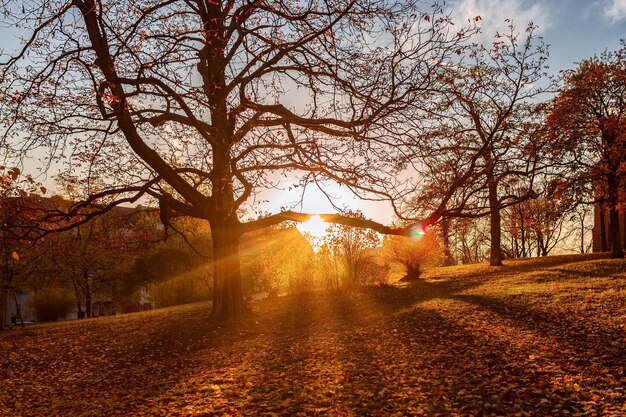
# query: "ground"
x,y
535,337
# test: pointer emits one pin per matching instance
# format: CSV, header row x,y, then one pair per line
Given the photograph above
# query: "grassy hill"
x,y
535,337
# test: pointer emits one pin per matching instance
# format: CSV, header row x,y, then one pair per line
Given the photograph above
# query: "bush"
x,y
51,304
187,288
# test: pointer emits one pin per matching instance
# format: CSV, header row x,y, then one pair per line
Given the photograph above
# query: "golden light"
x,y
315,226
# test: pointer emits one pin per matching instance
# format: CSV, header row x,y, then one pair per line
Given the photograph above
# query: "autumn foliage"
x,y
541,337
588,131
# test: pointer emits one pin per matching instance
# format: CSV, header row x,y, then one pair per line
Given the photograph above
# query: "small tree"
x,y
414,253
354,246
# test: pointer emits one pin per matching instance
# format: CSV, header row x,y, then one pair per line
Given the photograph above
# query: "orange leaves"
x,y
112,99
585,120
541,337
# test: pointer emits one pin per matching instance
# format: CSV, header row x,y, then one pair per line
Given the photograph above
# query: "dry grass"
x,y
535,337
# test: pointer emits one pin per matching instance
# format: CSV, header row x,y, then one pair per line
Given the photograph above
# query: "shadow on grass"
x,y
588,346
418,362
371,352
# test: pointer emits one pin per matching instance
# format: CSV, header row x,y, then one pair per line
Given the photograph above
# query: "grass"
x,y
534,337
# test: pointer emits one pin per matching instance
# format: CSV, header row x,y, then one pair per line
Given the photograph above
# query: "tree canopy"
x,y
201,104
588,131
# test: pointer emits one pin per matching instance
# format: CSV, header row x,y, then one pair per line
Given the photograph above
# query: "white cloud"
x,y
493,14
615,10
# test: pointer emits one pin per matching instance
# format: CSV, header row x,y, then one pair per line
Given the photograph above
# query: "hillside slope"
x,y
535,337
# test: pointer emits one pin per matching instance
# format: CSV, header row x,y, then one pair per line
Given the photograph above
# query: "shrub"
x,y
52,303
182,289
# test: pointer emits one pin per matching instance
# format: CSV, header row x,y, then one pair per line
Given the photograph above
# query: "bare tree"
x,y
201,104
486,133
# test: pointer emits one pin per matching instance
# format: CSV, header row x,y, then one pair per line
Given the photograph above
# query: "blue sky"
x,y
574,29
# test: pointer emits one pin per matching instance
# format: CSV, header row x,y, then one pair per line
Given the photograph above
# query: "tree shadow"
x,y
416,361
588,347
423,349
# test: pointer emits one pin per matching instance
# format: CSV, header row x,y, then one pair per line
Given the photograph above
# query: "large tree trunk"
x,y
614,232
228,302
495,256
445,231
603,240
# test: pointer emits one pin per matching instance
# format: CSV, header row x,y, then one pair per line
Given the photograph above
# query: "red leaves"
x,y
585,120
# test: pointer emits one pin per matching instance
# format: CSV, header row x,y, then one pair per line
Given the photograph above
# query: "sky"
x,y
574,29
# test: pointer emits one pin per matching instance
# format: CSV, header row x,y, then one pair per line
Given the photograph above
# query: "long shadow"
x,y
100,361
577,335
449,357
418,363
375,347
407,361
392,299
598,353
434,365
597,347
282,381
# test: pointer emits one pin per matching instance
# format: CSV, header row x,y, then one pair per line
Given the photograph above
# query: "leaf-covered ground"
x,y
538,337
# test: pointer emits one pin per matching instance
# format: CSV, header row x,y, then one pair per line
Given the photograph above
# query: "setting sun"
x,y
315,226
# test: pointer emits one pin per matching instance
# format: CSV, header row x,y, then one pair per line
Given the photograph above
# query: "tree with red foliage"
x,y
588,131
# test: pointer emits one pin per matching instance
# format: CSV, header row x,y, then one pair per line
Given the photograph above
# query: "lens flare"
x,y
417,231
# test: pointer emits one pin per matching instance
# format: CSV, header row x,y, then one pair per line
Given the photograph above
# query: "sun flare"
x,y
315,226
